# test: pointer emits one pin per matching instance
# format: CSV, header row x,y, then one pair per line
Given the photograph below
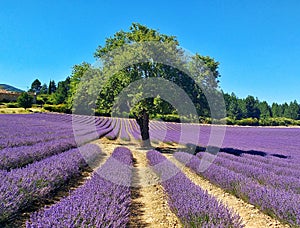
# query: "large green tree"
x,y
135,63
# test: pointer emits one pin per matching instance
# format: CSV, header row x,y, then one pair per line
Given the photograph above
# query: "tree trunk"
x,y
143,122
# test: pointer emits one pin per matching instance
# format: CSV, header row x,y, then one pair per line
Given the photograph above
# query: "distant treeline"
x,y
240,111
250,107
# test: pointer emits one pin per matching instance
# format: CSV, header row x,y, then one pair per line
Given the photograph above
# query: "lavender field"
x,y
49,178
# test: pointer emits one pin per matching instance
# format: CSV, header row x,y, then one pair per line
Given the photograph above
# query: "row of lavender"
x,y
260,184
98,203
193,206
285,177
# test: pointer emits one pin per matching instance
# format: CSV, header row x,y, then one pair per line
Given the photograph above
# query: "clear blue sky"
x,y
256,42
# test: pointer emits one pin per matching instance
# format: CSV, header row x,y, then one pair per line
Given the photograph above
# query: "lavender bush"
x,y
15,157
98,203
259,172
113,134
194,206
279,203
21,187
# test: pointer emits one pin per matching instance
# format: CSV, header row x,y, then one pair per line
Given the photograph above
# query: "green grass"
x,y
4,110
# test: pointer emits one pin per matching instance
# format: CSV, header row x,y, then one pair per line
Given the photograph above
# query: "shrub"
x,y
278,121
102,113
171,118
12,105
205,120
248,122
219,121
57,108
230,121
297,122
166,117
25,100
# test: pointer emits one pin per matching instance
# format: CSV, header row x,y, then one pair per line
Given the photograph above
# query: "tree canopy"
x,y
25,100
36,86
51,87
62,91
44,89
137,55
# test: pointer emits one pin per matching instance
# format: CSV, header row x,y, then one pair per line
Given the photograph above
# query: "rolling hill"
x,y
10,88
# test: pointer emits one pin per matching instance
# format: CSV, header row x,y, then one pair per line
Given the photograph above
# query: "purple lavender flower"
x,y
98,203
194,206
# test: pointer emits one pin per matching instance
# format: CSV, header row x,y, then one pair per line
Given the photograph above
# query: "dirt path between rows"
x,y
250,215
149,203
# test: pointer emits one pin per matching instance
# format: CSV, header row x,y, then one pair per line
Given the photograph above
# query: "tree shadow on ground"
x,y
194,149
238,152
166,150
